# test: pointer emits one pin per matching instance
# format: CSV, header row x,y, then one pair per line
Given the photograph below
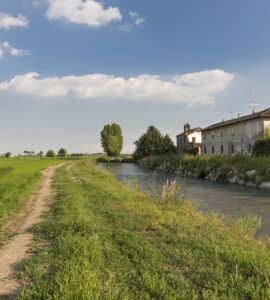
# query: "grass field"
x,y
104,241
18,179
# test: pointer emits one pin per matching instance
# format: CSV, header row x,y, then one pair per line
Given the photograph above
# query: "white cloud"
x,y
192,89
7,21
88,12
136,20
7,49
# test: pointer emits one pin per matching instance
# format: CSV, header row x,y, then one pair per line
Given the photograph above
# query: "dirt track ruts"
x,y
17,248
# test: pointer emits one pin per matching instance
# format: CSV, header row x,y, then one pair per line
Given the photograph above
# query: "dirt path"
x,y
17,248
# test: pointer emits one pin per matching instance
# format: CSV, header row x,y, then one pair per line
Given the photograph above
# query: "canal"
x,y
233,200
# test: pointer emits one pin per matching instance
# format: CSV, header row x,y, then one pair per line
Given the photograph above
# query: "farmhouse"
x,y
236,136
189,139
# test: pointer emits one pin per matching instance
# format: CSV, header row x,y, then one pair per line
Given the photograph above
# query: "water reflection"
x,y
229,199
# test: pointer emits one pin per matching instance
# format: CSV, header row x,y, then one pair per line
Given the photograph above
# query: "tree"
x,y
167,145
62,152
262,147
40,153
153,143
8,154
50,153
112,139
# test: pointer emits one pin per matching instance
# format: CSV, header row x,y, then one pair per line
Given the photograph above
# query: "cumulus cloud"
x,y
136,20
7,49
88,12
7,21
192,89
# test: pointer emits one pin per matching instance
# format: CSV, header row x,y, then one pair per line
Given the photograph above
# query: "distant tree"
x,y
152,143
8,154
50,153
262,147
62,152
28,153
40,153
112,139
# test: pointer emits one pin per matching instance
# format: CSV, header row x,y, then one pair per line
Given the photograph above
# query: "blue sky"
x,y
64,73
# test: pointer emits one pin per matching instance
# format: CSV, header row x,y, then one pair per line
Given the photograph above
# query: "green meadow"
x,y
102,240
18,180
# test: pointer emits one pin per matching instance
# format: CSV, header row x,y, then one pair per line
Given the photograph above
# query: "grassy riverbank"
x,y
234,169
18,180
103,241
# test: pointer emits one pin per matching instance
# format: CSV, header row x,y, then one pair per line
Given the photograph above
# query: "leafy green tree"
x,y
153,143
50,153
112,139
62,152
262,147
8,154
167,145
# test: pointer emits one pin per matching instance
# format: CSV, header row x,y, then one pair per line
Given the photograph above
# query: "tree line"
x,y
150,142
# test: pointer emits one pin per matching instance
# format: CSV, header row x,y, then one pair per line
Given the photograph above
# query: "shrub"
x,y
262,147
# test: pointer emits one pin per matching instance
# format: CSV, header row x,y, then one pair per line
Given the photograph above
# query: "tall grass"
x,y
105,241
18,179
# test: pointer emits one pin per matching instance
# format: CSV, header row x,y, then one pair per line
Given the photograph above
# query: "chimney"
x,y
186,128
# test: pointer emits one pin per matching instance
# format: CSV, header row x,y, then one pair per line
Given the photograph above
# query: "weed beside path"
x,y
108,242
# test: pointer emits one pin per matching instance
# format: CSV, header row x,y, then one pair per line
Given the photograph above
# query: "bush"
x,y
262,147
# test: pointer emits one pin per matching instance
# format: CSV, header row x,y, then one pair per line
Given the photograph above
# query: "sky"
x,y
68,67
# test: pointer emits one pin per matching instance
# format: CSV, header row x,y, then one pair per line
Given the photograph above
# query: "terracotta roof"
x,y
261,114
191,131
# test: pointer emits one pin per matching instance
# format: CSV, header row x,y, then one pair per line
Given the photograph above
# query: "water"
x,y
230,199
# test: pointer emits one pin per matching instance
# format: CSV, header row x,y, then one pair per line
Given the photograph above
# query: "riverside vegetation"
x,y
18,180
249,170
106,241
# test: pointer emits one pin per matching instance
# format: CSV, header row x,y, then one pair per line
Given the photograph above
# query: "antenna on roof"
x,y
253,103
231,112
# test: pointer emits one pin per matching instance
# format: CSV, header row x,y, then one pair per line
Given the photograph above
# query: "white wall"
x,y
197,135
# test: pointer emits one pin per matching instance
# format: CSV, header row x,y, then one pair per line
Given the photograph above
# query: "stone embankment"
x,y
242,171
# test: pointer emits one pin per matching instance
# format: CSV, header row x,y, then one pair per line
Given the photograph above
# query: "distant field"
x,y
105,241
18,179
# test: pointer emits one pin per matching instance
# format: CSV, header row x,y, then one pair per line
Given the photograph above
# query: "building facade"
x,y
190,139
236,136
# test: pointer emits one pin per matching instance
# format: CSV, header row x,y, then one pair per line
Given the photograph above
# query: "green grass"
x,y
18,179
104,241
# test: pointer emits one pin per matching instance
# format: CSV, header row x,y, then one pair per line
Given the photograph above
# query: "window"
x,y
249,148
205,149
221,149
204,136
213,149
194,140
213,135
232,131
232,148
222,134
